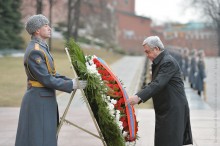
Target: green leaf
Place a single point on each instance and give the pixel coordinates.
(94, 93)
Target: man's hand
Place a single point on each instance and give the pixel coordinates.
(133, 100)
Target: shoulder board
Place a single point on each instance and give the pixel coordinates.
(36, 46)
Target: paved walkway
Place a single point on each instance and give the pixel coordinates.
(204, 119)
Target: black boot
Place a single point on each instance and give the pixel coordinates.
(199, 93)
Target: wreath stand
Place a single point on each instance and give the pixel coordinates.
(63, 118)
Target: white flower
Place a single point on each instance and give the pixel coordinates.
(108, 97)
(117, 115)
(111, 106)
(111, 109)
(130, 143)
(91, 62)
(120, 124)
(118, 112)
(112, 112)
(113, 101)
(94, 66)
(90, 70)
(125, 134)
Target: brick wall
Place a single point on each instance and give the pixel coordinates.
(131, 31)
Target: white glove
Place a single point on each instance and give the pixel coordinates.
(82, 84)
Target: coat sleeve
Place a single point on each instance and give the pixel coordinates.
(165, 73)
(61, 76)
(37, 66)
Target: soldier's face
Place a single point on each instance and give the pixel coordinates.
(44, 32)
(151, 53)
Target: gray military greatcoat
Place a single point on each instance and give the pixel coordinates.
(201, 74)
(38, 118)
(171, 107)
(193, 70)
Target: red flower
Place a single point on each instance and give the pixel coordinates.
(98, 65)
(110, 85)
(125, 125)
(115, 92)
(106, 73)
(123, 118)
(116, 87)
(109, 78)
(136, 128)
(95, 61)
(100, 71)
(104, 78)
(120, 102)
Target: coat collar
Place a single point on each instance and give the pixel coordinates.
(39, 41)
(159, 57)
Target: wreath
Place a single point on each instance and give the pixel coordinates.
(106, 96)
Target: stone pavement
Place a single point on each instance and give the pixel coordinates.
(205, 119)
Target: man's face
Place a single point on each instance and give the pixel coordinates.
(44, 32)
(151, 53)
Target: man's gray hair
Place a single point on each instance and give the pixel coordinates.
(153, 41)
(35, 22)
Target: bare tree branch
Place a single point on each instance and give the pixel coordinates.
(211, 10)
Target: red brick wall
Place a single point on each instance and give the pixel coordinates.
(123, 5)
(139, 27)
(207, 43)
(59, 10)
(126, 20)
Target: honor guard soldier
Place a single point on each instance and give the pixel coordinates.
(38, 117)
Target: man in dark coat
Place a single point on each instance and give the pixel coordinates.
(38, 118)
(167, 90)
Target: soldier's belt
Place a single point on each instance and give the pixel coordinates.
(35, 84)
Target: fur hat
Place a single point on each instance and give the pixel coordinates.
(35, 22)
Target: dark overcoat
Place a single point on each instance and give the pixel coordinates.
(193, 71)
(185, 66)
(171, 107)
(200, 76)
(38, 118)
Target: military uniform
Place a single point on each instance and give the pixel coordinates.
(201, 75)
(185, 66)
(38, 118)
(193, 70)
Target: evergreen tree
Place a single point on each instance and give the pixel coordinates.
(10, 24)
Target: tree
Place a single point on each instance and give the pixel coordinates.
(10, 24)
(106, 27)
(73, 18)
(51, 2)
(101, 21)
(39, 6)
(211, 9)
